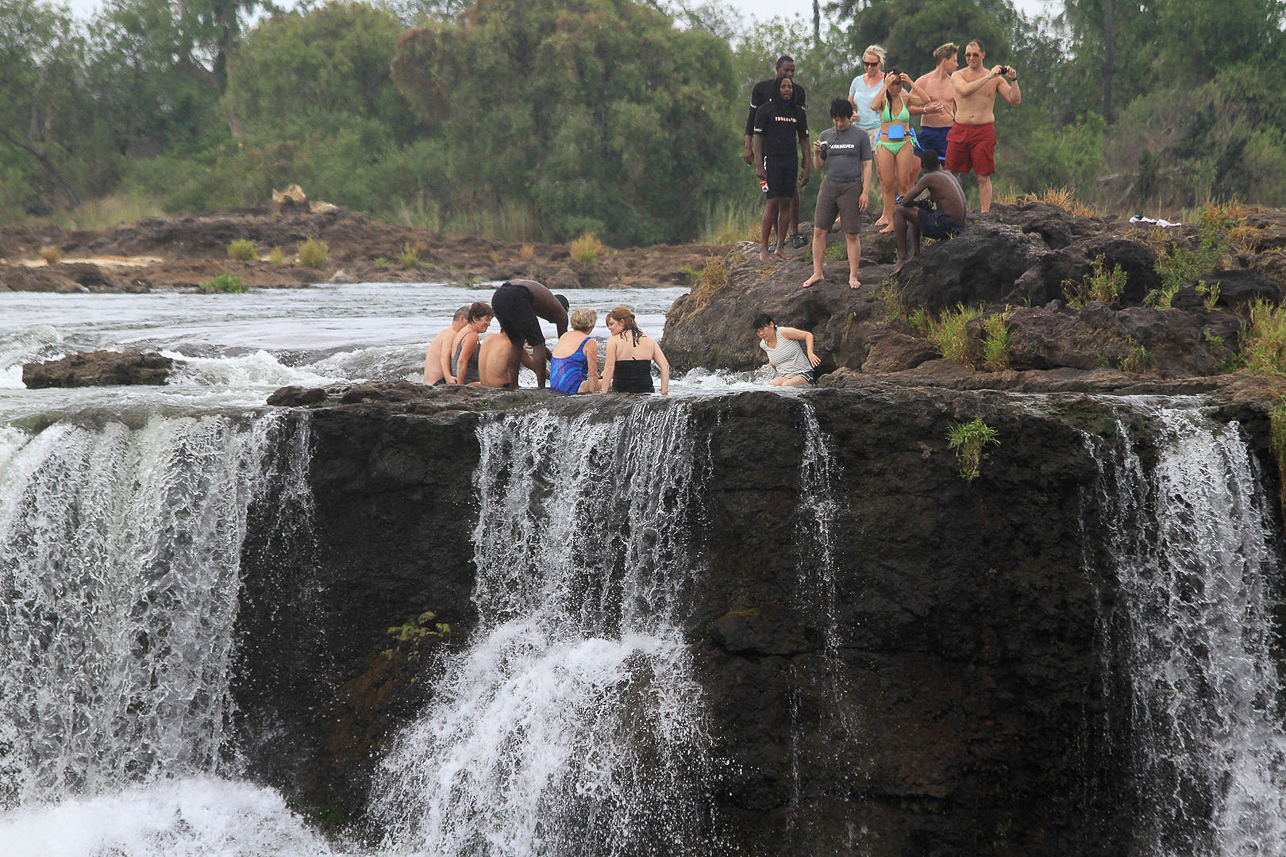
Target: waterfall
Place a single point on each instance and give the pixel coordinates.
(830, 678)
(1192, 545)
(571, 724)
(119, 576)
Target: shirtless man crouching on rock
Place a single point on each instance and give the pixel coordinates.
(943, 220)
(518, 304)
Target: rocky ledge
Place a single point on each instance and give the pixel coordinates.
(1018, 262)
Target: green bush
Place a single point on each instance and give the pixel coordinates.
(1099, 285)
(314, 253)
(1263, 339)
(243, 250)
(995, 344)
(224, 283)
(410, 257)
(949, 333)
(586, 249)
(968, 439)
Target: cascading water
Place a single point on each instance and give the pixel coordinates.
(572, 724)
(832, 681)
(119, 556)
(1191, 638)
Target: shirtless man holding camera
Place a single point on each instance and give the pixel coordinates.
(972, 140)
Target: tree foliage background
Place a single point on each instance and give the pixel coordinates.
(542, 120)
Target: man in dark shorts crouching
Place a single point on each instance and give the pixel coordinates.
(845, 152)
(943, 218)
(518, 305)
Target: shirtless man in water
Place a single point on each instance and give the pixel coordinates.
(493, 360)
(972, 140)
(946, 219)
(437, 363)
(936, 124)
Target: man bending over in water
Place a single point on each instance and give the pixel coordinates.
(517, 304)
(437, 363)
(943, 222)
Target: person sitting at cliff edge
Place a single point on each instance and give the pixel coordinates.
(941, 216)
(794, 364)
(437, 363)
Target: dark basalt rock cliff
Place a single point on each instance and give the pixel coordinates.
(942, 694)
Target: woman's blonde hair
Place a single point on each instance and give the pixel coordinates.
(625, 316)
(878, 51)
(583, 319)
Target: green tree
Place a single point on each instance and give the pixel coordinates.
(598, 113)
(308, 68)
(41, 57)
(910, 30)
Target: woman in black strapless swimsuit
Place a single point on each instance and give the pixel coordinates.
(630, 355)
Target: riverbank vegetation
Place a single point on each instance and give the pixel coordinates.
(535, 120)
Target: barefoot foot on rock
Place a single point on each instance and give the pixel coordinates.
(815, 278)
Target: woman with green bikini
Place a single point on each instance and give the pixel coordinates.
(898, 99)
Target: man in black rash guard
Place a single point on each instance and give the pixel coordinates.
(778, 123)
(759, 96)
(517, 304)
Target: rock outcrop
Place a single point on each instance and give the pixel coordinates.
(99, 369)
(1020, 261)
(937, 686)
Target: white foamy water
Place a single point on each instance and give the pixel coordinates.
(572, 725)
(1192, 542)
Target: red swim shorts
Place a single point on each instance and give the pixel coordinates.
(972, 149)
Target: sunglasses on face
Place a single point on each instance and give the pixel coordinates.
(864, 62)
(972, 55)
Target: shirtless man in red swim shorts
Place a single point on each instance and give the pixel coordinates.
(972, 140)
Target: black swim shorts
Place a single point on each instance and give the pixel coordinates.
(515, 309)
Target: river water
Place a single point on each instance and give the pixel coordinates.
(241, 347)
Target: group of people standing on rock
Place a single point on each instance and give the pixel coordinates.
(460, 354)
(957, 131)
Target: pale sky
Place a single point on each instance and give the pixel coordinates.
(761, 9)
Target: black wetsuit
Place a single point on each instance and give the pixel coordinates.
(762, 94)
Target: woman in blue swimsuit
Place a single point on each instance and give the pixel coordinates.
(896, 102)
(574, 365)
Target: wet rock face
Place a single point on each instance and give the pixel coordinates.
(99, 369)
(931, 679)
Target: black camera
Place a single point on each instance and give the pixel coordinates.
(1004, 70)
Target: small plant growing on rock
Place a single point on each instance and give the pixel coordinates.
(416, 631)
(949, 333)
(528, 251)
(1179, 268)
(277, 256)
(1277, 424)
(837, 251)
(967, 440)
(224, 283)
(1099, 285)
(1263, 339)
(891, 296)
(1137, 359)
(995, 345)
(243, 250)
(314, 253)
(586, 249)
(50, 254)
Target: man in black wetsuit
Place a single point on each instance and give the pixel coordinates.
(778, 123)
(759, 95)
(517, 303)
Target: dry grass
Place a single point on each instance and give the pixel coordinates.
(51, 254)
(714, 277)
(1059, 197)
(528, 251)
(587, 249)
(1247, 238)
